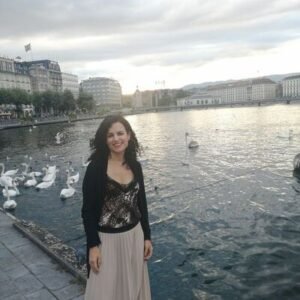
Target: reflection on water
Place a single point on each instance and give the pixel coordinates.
(225, 226)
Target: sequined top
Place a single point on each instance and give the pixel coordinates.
(120, 207)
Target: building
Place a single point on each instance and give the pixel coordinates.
(37, 76)
(40, 80)
(257, 89)
(10, 79)
(263, 89)
(164, 97)
(51, 67)
(239, 91)
(105, 91)
(137, 99)
(291, 87)
(70, 82)
(199, 100)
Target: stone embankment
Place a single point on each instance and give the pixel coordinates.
(10, 124)
(36, 265)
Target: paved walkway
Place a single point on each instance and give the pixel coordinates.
(26, 272)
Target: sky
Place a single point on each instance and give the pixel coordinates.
(156, 44)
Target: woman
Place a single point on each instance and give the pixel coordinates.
(115, 216)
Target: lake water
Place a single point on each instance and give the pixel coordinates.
(226, 225)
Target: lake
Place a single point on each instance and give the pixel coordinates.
(225, 216)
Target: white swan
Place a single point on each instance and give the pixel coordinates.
(9, 172)
(12, 193)
(20, 178)
(50, 173)
(6, 181)
(31, 182)
(83, 163)
(9, 204)
(36, 174)
(192, 144)
(73, 178)
(58, 138)
(51, 169)
(67, 193)
(44, 184)
(25, 172)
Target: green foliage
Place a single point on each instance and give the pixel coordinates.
(14, 96)
(86, 102)
(68, 101)
(48, 102)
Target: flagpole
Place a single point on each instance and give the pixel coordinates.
(28, 48)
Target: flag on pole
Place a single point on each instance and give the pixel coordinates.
(27, 47)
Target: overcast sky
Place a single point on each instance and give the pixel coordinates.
(144, 43)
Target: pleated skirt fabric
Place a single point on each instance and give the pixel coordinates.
(123, 272)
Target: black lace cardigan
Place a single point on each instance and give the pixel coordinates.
(93, 190)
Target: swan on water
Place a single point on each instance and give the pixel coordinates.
(9, 204)
(83, 163)
(25, 172)
(50, 173)
(192, 144)
(20, 178)
(58, 138)
(44, 184)
(67, 193)
(9, 172)
(73, 178)
(11, 193)
(6, 181)
(51, 169)
(31, 182)
(35, 173)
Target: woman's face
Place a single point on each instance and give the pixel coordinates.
(117, 138)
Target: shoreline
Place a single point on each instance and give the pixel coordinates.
(46, 122)
(149, 110)
(52, 246)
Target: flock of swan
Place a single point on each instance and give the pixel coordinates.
(10, 179)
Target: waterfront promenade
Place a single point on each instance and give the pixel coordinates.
(16, 123)
(26, 272)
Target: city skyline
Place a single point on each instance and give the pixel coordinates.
(145, 44)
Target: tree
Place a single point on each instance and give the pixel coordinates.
(68, 103)
(86, 102)
(36, 101)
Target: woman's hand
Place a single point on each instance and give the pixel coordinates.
(95, 258)
(148, 249)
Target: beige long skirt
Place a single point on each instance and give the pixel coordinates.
(123, 272)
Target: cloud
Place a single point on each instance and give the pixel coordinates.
(165, 33)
